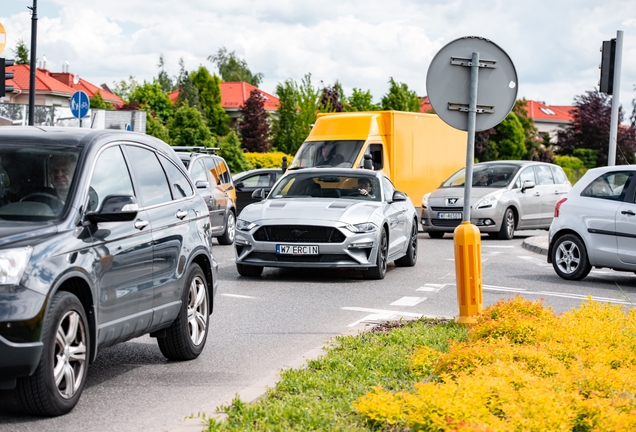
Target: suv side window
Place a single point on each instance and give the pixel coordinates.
(611, 185)
(544, 174)
(224, 172)
(210, 164)
(198, 172)
(110, 177)
(181, 187)
(152, 181)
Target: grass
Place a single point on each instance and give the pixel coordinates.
(320, 396)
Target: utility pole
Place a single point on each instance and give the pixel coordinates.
(618, 60)
(33, 66)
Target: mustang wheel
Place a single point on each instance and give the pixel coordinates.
(436, 234)
(59, 378)
(186, 336)
(379, 271)
(230, 230)
(569, 258)
(410, 258)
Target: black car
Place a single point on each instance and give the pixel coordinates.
(103, 238)
(213, 181)
(247, 182)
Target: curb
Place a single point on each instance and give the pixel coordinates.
(537, 244)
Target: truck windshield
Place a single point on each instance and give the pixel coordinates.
(340, 154)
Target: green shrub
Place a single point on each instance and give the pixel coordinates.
(573, 166)
(267, 160)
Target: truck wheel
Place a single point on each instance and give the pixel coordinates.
(230, 230)
(56, 386)
(249, 271)
(186, 336)
(507, 230)
(379, 271)
(436, 234)
(569, 258)
(410, 258)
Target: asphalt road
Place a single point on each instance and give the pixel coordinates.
(263, 325)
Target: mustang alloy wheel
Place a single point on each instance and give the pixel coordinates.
(379, 271)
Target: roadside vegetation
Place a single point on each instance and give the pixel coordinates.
(520, 367)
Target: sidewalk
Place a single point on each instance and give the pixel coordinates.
(537, 244)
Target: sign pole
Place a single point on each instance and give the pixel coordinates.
(470, 148)
(618, 60)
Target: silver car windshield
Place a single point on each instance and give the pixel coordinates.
(491, 175)
(327, 186)
(35, 181)
(341, 154)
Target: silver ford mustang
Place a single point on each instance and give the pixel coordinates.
(328, 218)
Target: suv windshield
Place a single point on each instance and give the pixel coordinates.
(327, 186)
(341, 154)
(35, 181)
(491, 175)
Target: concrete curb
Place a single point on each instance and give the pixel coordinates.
(538, 244)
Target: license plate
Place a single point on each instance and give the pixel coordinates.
(453, 215)
(296, 250)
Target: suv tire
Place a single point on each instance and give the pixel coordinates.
(230, 230)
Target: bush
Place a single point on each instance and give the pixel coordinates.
(573, 166)
(267, 160)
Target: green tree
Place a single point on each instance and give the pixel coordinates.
(209, 89)
(153, 99)
(188, 93)
(163, 78)
(308, 97)
(400, 98)
(188, 129)
(155, 128)
(231, 68)
(233, 154)
(587, 156)
(360, 101)
(98, 102)
(508, 141)
(21, 53)
(124, 88)
(535, 149)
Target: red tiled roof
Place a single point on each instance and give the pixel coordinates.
(425, 105)
(234, 95)
(538, 111)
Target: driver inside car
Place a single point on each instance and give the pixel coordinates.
(61, 174)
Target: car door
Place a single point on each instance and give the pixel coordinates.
(529, 200)
(549, 192)
(249, 185)
(217, 216)
(123, 253)
(396, 214)
(617, 184)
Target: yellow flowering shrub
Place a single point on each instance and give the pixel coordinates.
(522, 368)
(267, 160)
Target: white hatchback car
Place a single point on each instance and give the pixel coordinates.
(595, 225)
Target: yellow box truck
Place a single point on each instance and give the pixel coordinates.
(417, 151)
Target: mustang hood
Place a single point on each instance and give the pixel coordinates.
(310, 209)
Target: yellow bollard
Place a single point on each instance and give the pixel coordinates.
(467, 240)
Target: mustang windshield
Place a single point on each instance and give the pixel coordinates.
(35, 181)
(494, 176)
(341, 154)
(327, 186)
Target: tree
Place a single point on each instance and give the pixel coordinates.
(188, 93)
(98, 102)
(188, 129)
(590, 129)
(254, 124)
(508, 140)
(330, 99)
(153, 99)
(21, 53)
(360, 101)
(124, 88)
(209, 90)
(155, 128)
(233, 154)
(232, 68)
(535, 149)
(400, 98)
(307, 106)
(163, 78)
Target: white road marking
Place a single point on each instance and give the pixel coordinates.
(408, 301)
(495, 246)
(535, 260)
(431, 287)
(380, 314)
(556, 294)
(238, 296)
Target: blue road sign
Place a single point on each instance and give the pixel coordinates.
(128, 128)
(80, 104)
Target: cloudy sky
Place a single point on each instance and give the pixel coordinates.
(554, 44)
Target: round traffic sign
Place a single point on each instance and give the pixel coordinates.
(80, 104)
(448, 83)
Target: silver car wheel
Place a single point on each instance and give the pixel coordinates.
(231, 226)
(568, 257)
(510, 224)
(197, 310)
(70, 354)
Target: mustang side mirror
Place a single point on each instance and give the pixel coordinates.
(259, 194)
(115, 208)
(399, 196)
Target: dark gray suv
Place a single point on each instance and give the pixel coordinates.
(103, 238)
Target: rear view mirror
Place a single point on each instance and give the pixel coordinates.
(527, 185)
(115, 208)
(239, 185)
(202, 184)
(399, 196)
(259, 194)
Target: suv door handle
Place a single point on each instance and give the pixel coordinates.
(141, 224)
(628, 212)
(181, 214)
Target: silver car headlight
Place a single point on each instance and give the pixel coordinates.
(365, 227)
(425, 200)
(13, 263)
(487, 202)
(243, 225)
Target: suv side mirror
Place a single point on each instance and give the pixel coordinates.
(258, 194)
(527, 185)
(115, 208)
(399, 196)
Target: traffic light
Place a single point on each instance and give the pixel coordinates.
(608, 54)
(4, 76)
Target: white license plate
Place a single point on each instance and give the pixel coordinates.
(296, 250)
(453, 215)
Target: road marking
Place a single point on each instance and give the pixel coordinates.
(408, 301)
(238, 296)
(380, 314)
(494, 246)
(556, 294)
(534, 260)
(431, 287)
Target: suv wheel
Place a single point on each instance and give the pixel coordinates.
(186, 336)
(569, 258)
(55, 387)
(230, 230)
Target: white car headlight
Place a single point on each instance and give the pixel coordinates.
(425, 200)
(13, 262)
(362, 227)
(243, 225)
(487, 202)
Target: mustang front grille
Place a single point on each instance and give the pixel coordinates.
(299, 234)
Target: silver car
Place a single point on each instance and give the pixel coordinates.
(328, 218)
(595, 225)
(506, 196)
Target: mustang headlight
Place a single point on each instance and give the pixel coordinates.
(487, 202)
(13, 262)
(425, 200)
(362, 227)
(244, 225)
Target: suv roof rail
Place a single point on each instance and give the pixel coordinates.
(197, 149)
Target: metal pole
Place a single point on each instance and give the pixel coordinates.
(470, 150)
(33, 66)
(618, 57)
